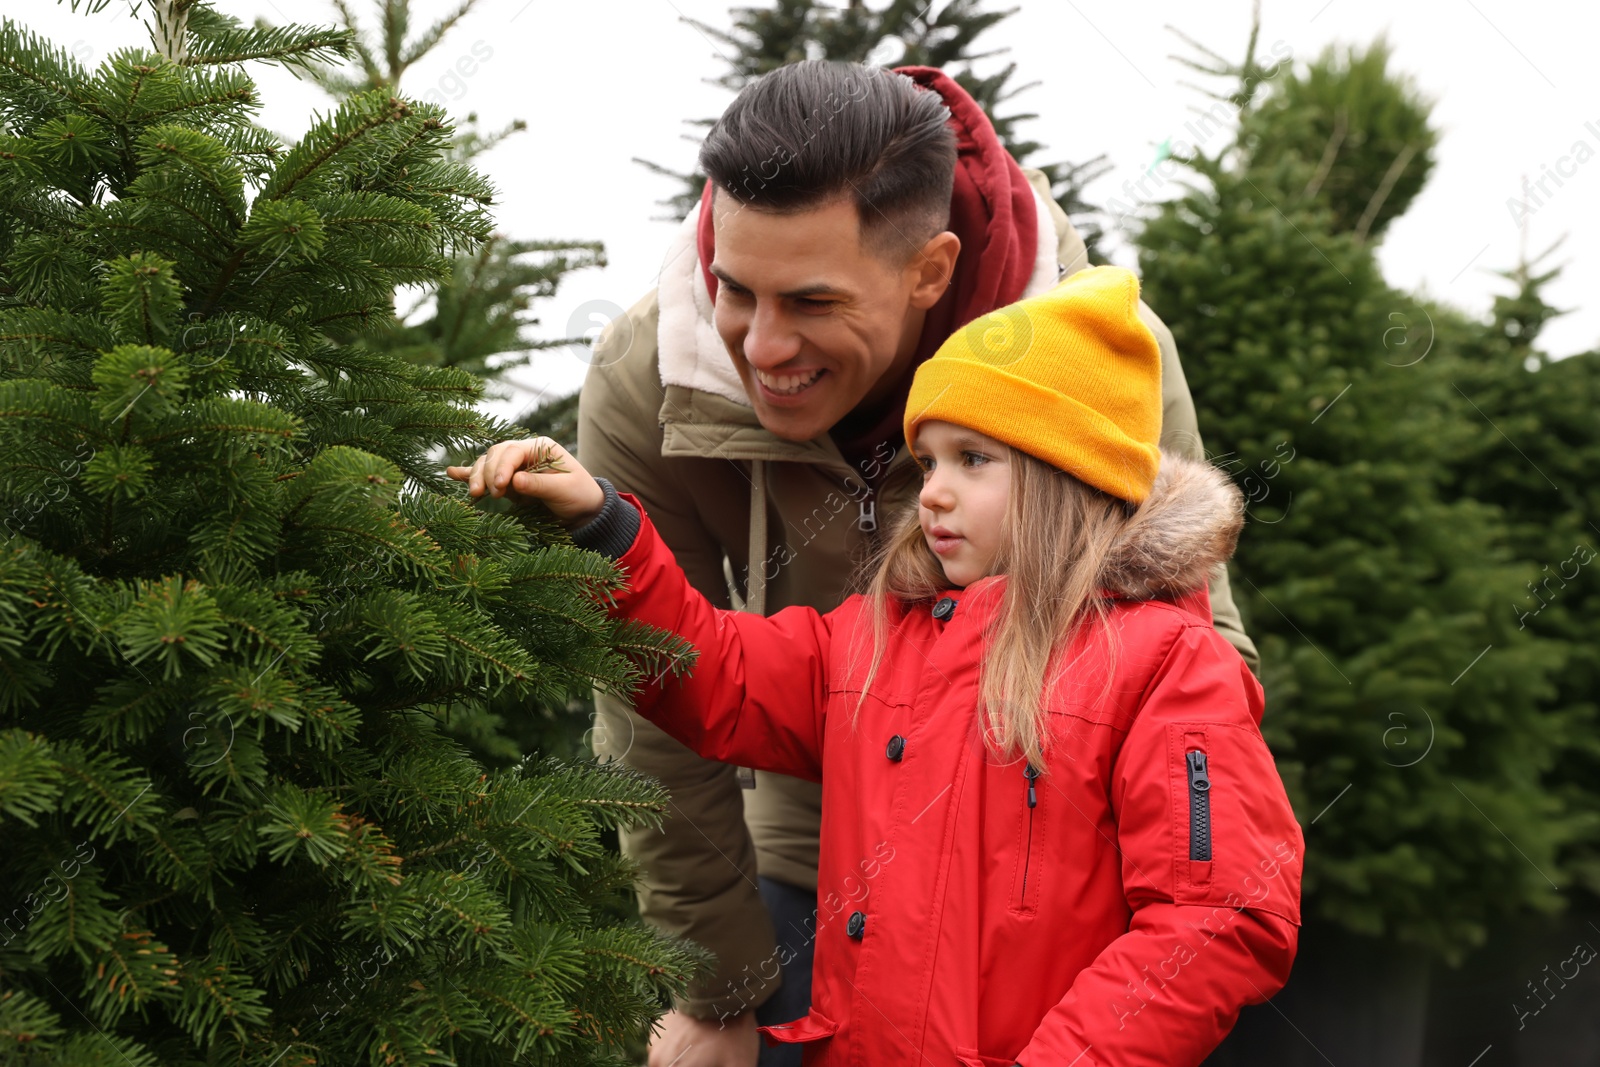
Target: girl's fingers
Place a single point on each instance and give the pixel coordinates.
(496, 471)
(506, 460)
(526, 483)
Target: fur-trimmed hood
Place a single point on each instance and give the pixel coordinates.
(1188, 525)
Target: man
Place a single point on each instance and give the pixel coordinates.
(853, 219)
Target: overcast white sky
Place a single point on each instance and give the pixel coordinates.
(602, 81)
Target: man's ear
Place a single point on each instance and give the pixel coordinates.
(932, 267)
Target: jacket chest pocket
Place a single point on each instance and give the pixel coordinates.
(1031, 838)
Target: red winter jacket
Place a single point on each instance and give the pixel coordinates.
(1119, 909)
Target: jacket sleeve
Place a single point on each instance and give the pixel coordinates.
(699, 867)
(1212, 877)
(756, 691)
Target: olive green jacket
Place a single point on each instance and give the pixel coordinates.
(723, 492)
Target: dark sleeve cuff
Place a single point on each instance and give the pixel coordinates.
(610, 533)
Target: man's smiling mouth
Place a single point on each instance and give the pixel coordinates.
(788, 384)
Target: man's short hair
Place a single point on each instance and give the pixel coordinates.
(817, 131)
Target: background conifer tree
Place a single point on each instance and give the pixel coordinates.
(1406, 706)
(1534, 451)
(237, 600)
(1364, 128)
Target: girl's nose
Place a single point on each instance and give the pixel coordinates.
(935, 495)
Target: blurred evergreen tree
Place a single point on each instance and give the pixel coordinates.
(1363, 128)
(237, 598)
(1409, 711)
(1534, 452)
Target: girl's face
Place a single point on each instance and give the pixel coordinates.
(966, 481)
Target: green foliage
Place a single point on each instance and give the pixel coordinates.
(1364, 128)
(482, 310)
(1411, 715)
(478, 317)
(1534, 449)
(238, 604)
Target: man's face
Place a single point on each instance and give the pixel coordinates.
(816, 324)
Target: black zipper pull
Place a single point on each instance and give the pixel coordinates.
(1031, 775)
(1199, 779)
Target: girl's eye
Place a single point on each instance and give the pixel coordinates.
(926, 463)
(975, 459)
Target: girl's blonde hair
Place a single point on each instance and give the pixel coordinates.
(1058, 536)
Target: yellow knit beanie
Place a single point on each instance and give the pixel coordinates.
(1071, 376)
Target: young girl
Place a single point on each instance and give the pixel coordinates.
(1051, 832)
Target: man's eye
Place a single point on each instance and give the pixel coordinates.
(815, 305)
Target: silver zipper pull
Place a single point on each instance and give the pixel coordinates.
(867, 521)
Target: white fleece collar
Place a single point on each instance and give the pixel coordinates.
(692, 354)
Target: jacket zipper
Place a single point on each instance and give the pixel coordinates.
(1031, 774)
(1199, 806)
(867, 518)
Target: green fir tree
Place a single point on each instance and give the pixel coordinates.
(1535, 446)
(1363, 127)
(480, 317)
(237, 600)
(1408, 710)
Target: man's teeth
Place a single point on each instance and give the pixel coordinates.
(785, 384)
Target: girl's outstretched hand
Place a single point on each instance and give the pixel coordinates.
(535, 469)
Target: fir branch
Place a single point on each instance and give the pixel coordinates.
(426, 41)
(370, 111)
(51, 69)
(205, 157)
(369, 62)
(110, 220)
(48, 326)
(287, 48)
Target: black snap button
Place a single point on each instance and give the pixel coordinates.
(857, 925)
(897, 748)
(945, 608)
